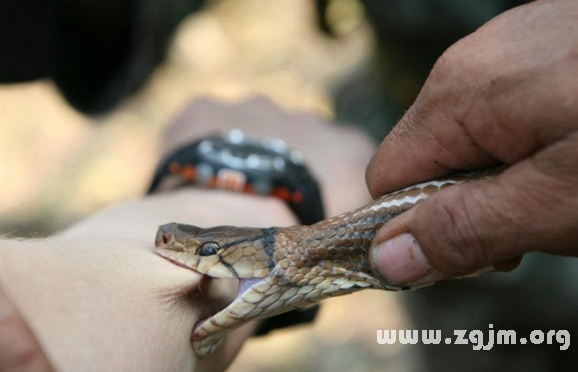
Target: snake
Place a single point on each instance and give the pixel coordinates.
(283, 268)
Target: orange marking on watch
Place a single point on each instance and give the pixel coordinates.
(189, 172)
(174, 167)
(283, 193)
(297, 197)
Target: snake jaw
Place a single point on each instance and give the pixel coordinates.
(209, 333)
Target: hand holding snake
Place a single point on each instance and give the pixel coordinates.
(515, 102)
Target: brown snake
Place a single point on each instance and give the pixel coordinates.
(283, 268)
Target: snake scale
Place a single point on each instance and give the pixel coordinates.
(283, 268)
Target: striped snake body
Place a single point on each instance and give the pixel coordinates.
(283, 268)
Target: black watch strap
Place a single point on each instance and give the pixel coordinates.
(232, 161)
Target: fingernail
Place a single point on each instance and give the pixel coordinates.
(401, 260)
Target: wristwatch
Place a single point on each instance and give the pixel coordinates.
(253, 165)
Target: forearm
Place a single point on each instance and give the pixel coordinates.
(81, 291)
(97, 297)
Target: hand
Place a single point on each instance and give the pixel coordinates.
(97, 297)
(506, 93)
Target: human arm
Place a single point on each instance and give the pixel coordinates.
(97, 296)
(505, 94)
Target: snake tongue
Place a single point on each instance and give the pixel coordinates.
(245, 284)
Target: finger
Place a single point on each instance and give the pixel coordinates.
(19, 350)
(487, 98)
(425, 144)
(467, 227)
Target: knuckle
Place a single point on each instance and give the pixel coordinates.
(547, 217)
(459, 243)
(468, 239)
(464, 75)
(450, 63)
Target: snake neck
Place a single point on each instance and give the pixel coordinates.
(359, 227)
(333, 246)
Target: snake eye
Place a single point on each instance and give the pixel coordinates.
(209, 249)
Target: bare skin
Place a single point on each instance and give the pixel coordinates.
(506, 93)
(97, 297)
(20, 350)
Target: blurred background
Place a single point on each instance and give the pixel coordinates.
(85, 134)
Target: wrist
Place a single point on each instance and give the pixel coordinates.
(205, 207)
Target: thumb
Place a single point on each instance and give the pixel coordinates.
(466, 228)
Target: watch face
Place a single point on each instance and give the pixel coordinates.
(234, 150)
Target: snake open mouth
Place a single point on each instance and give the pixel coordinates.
(245, 284)
(216, 306)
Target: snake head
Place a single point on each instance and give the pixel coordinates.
(219, 252)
